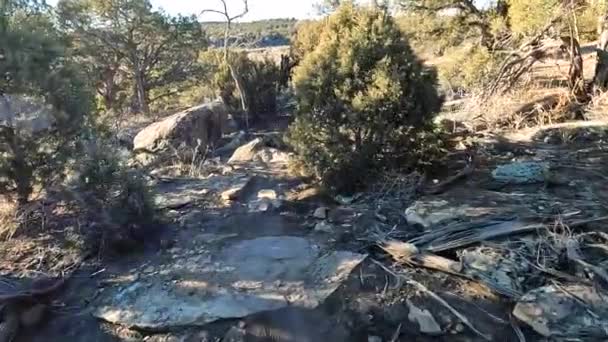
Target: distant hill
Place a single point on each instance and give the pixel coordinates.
(255, 34)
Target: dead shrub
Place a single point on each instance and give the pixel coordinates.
(523, 108)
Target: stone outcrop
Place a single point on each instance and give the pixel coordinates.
(199, 126)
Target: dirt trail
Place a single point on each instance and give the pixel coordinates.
(218, 260)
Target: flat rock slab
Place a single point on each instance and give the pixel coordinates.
(242, 279)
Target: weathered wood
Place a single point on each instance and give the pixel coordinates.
(600, 78)
(576, 82)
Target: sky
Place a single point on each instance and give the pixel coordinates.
(258, 9)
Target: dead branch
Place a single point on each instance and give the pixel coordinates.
(442, 186)
(520, 335)
(445, 304)
(574, 254)
(466, 234)
(521, 61)
(408, 254)
(437, 298)
(229, 19)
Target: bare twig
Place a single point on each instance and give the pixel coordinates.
(521, 60)
(436, 297)
(445, 304)
(573, 252)
(229, 19)
(520, 335)
(395, 336)
(491, 316)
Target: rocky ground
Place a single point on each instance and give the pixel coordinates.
(513, 248)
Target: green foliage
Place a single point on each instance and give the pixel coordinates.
(466, 68)
(259, 79)
(528, 16)
(44, 101)
(133, 52)
(363, 98)
(433, 34)
(588, 20)
(120, 197)
(305, 38)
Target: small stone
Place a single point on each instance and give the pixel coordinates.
(236, 191)
(324, 227)
(231, 195)
(374, 339)
(345, 200)
(425, 320)
(321, 213)
(149, 269)
(263, 205)
(267, 193)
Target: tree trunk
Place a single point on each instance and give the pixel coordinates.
(576, 82)
(600, 78)
(242, 94)
(108, 88)
(20, 170)
(142, 94)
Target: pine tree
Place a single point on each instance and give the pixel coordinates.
(43, 100)
(362, 96)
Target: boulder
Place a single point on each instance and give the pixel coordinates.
(261, 149)
(27, 115)
(247, 152)
(198, 126)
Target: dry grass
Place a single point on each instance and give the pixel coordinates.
(540, 98)
(12, 218)
(8, 220)
(272, 53)
(530, 106)
(598, 108)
